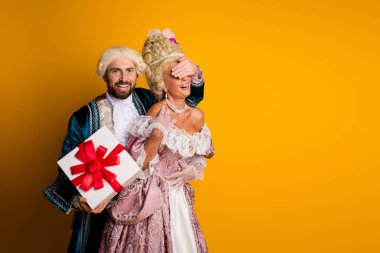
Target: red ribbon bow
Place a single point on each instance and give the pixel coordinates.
(93, 166)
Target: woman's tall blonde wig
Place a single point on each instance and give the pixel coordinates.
(160, 48)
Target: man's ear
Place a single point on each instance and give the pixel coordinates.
(105, 78)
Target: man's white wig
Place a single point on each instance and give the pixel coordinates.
(119, 52)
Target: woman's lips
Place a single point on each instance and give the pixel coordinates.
(185, 87)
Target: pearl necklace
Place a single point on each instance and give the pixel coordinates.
(171, 106)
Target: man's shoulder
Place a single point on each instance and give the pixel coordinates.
(143, 98)
(143, 93)
(84, 112)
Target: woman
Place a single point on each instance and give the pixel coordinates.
(155, 213)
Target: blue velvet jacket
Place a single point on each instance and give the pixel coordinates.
(87, 228)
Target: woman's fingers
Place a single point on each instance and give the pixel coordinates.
(132, 221)
(167, 114)
(180, 64)
(180, 184)
(172, 122)
(101, 207)
(174, 175)
(162, 111)
(177, 182)
(182, 164)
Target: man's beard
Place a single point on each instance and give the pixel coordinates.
(117, 94)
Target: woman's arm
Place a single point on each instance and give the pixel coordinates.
(153, 143)
(151, 147)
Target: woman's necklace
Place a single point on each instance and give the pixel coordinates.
(171, 106)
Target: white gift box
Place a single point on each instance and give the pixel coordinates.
(126, 171)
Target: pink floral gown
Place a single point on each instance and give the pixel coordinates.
(169, 223)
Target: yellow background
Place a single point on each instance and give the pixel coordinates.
(291, 98)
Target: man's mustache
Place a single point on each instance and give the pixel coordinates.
(123, 83)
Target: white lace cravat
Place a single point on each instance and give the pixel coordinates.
(123, 114)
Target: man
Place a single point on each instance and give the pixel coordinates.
(119, 67)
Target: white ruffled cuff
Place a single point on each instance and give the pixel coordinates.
(198, 164)
(160, 127)
(144, 126)
(197, 82)
(141, 127)
(144, 174)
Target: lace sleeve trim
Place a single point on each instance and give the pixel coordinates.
(141, 127)
(198, 164)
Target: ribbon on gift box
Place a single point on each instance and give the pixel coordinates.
(93, 166)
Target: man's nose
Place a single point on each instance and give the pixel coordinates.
(124, 77)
